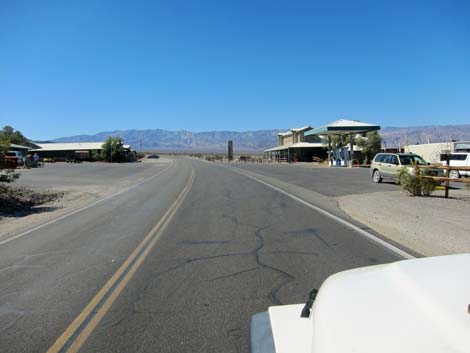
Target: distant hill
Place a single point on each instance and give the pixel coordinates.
(393, 136)
(165, 140)
(186, 140)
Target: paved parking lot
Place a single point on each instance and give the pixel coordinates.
(59, 175)
(330, 182)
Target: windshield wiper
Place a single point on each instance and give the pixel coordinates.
(308, 305)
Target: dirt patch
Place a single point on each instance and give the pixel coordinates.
(428, 225)
(20, 201)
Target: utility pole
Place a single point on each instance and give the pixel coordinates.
(111, 151)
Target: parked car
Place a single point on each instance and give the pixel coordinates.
(153, 156)
(409, 306)
(389, 166)
(14, 159)
(459, 159)
(73, 159)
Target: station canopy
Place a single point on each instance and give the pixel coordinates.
(343, 127)
(296, 145)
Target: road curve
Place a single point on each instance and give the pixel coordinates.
(231, 248)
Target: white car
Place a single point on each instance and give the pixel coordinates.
(410, 306)
(459, 159)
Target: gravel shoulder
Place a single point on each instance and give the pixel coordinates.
(428, 225)
(75, 192)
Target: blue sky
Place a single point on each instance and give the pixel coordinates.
(74, 67)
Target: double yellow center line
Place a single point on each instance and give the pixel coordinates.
(80, 329)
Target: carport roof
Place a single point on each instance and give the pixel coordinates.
(296, 145)
(73, 146)
(343, 127)
(69, 146)
(14, 145)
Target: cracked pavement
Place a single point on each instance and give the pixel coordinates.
(234, 248)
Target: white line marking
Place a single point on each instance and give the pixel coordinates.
(94, 203)
(364, 233)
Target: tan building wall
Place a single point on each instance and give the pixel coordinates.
(431, 152)
(287, 140)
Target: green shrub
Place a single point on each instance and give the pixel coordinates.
(416, 185)
(7, 175)
(113, 150)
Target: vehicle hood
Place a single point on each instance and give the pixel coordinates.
(291, 333)
(408, 306)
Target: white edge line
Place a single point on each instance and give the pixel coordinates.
(364, 233)
(42, 225)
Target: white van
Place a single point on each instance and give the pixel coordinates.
(459, 159)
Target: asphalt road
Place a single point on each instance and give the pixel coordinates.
(176, 264)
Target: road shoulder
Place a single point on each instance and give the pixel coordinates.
(74, 198)
(428, 225)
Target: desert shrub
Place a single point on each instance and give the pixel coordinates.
(415, 184)
(7, 174)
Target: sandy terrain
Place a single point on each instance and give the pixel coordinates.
(71, 200)
(428, 225)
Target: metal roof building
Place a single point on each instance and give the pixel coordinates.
(82, 150)
(293, 145)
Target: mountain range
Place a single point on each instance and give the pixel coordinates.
(164, 140)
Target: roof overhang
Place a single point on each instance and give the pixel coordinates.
(14, 145)
(69, 146)
(305, 128)
(296, 145)
(288, 133)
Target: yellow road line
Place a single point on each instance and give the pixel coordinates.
(131, 265)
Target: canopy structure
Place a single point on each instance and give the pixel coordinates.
(343, 127)
(295, 145)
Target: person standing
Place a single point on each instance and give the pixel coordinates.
(35, 160)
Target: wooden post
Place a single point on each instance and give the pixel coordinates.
(351, 150)
(447, 176)
(329, 150)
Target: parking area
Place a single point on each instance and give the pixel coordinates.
(73, 186)
(330, 182)
(88, 175)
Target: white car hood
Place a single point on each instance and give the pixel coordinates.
(409, 306)
(291, 333)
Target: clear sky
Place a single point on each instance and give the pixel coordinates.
(73, 67)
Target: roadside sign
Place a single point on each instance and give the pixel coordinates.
(230, 151)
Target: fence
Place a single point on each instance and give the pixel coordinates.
(447, 179)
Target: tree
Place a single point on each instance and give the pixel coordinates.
(11, 135)
(371, 144)
(113, 150)
(7, 175)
